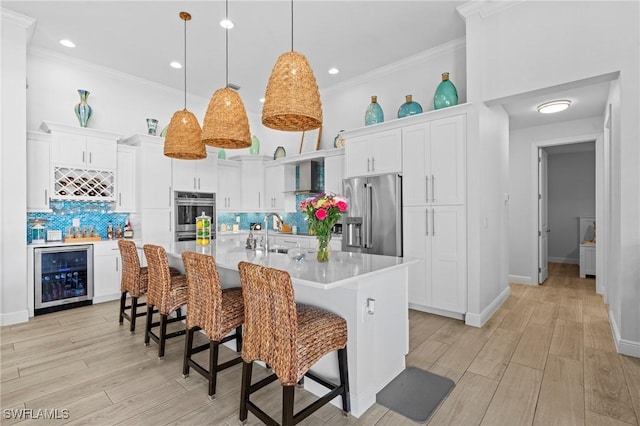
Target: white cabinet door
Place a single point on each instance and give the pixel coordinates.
(184, 175)
(126, 179)
(157, 226)
(374, 154)
(69, 149)
(277, 181)
(107, 272)
(229, 186)
(101, 153)
(333, 174)
(38, 177)
(433, 162)
(253, 185)
(154, 176)
(207, 173)
(415, 246)
(294, 241)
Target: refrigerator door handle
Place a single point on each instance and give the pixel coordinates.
(426, 189)
(427, 220)
(433, 222)
(433, 190)
(368, 203)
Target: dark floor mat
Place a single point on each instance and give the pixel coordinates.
(415, 393)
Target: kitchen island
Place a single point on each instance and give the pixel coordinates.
(369, 291)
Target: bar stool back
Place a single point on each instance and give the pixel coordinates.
(214, 311)
(289, 338)
(167, 293)
(134, 282)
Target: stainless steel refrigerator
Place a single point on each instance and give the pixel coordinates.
(373, 221)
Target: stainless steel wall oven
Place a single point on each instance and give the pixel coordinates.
(188, 206)
(63, 277)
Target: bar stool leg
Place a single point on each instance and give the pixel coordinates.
(147, 337)
(187, 351)
(213, 367)
(344, 380)
(134, 312)
(288, 394)
(247, 367)
(163, 335)
(239, 339)
(123, 303)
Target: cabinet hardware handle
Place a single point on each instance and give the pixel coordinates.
(433, 190)
(426, 189)
(198, 183)
(83, 159)
(169, 221)
(194, 183)
(169, 195)
(46, 198)
(368, 164)
(427, 220)
(90, 158)
(120, 199)
(433, 222)
(373, 164)
(117, 268)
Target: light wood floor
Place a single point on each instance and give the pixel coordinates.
(545, 358)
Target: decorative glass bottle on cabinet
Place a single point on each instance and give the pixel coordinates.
(446, 94)
(83, 110)
(374, 112)
(409, 107)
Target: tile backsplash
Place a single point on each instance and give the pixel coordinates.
(96, 214)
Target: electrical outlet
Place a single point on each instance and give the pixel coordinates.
(237, 219)
(76, 222)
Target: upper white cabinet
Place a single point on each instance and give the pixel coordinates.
(153, 173)
(333, 174)
(434, 162)
(252, 172)
(196, 175)
(38, 178)
(375, 153)
(279, 184)
(126, 179)
(229, 197)
(78, 147)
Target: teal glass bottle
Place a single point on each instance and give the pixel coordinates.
(409, 107)
(222, 155)
(255, 145)
(374, 112)
(446, 94)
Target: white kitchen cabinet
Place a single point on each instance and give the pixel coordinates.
(229, 197)
(333, 174)
(294, 241)
(252, 172)
(376, 153)
(126, 180)
(38, 178)
(107, 271)
(279, 184)
(196, 175)
(433, 162)
(438, 237)
(156, 226)
(82, 148)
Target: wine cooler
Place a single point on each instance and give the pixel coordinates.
(63, 277)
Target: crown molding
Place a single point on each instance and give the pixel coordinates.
(24, 21)
(66, 60)
(485, 7)
(402, 64)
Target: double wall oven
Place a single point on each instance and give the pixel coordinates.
(188, 206)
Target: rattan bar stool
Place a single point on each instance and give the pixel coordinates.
(289, 338)
(167, 293)
(214, 311)
(134, 283)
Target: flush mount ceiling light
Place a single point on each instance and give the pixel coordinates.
(292, 100)
(184, 136)
(225, 123)
(67, 43)
(554, 106)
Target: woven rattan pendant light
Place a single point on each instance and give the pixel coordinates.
(184, 136)
(225, 123)
(292, 101)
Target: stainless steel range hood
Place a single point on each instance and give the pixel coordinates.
(308, 182)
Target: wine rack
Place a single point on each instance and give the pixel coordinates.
(82, 184)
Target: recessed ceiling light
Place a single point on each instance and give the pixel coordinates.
(226, 24)
(334, 70)
(175, 64)
(262, 100)
(554, 106)
(67, 43)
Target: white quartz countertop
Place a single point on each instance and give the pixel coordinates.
(343, 267)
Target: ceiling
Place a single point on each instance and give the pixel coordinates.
(141, 38)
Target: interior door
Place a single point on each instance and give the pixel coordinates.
(543, 224)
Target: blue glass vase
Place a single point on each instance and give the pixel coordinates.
(446, 93)
(83, 109)
(409, 107)
(374, 112)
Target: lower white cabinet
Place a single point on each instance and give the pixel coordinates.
(587, 260)
(107, 270)
(438, 237)
(293, 241)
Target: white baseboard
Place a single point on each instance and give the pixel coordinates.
(478, 320)
(624, 347)
(106, 298)
(14, 317)
(569, 260)
(436, 311)
(519, 279)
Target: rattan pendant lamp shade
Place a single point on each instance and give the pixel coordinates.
(225, 123)
(292, 100)
(184, 135)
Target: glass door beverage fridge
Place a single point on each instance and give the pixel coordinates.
(63, 277)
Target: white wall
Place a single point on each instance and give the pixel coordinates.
(344, 105)
(13, 171)
(572, 193)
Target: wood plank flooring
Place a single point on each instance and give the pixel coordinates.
(546, 357)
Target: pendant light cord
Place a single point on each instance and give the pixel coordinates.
(292, 25)
(226, 35)
(185, 64)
